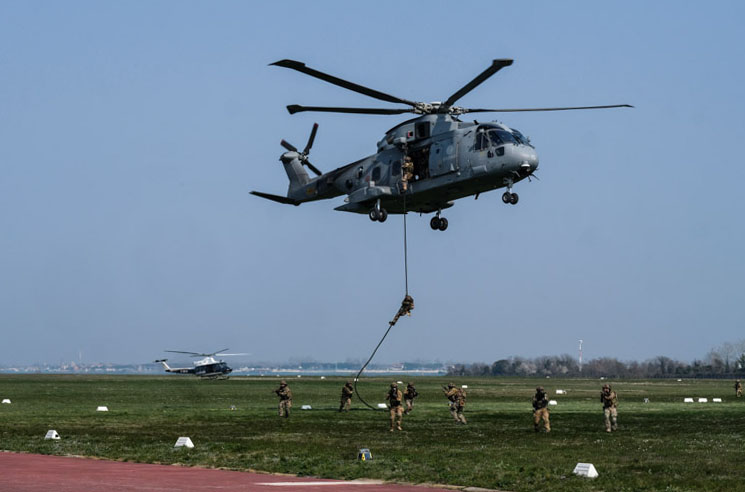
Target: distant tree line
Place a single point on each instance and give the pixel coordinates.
(725, 361)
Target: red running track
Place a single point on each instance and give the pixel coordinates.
(37, 473)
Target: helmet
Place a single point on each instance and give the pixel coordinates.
(394, 385)
(540, 388)
(349, 382)
(283, 383)
(451, 385)
(606, 386)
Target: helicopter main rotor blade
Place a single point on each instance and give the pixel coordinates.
(496, 65)
(296, 108)
(311, 139)
(193, 354)
(300, 67)
(517, 110)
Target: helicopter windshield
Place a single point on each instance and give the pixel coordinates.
(501, 137)
(520, 137)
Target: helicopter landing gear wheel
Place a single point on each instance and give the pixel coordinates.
(443, 224)
(434, 223)
(378, 215)
(374, 215)
(382, 215)
(510, 198)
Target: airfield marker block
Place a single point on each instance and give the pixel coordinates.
(233, 407)
(102, 409)
(561, 392)
(553, 402)
(464, 386)
(184, 442)
(646, 400)
(364, 455)
(399, 382)
(323, 377)
(687, 400)
(52, 434)
(703, 400)
(585, 470)
(6, 401)
(716, 400)
(306, 407)
(382, 405)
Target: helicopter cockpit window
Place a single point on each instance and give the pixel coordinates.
(501, 137)
(520, 137)
(481, 141)
(396, 168)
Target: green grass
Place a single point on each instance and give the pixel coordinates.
(663, 445)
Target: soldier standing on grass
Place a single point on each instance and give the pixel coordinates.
(610, 404)
(738, 388)
(394, 398)
(285, 399)
(409, 396)
(346, 397)
(540, 409)
(457, 399)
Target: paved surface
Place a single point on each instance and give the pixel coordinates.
(36, 473)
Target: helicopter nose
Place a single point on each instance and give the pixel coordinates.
(529, 162)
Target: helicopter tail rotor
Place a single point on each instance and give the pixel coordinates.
(303, 156)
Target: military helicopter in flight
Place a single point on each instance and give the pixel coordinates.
(208, 367)
(451, 158)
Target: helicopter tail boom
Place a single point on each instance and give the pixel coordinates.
(276, 198)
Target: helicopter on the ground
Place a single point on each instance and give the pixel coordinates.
(451, 158)
(208, 367)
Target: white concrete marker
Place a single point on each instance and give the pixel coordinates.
(716, 400)
(560, 392)
(52, 434)
(306, 407)
(399, 382)
(6, 401)
(464, 386)
(680, 380)
(646, 400)
(553, 402)
(102, 409)
(382, 405)
(585, 470)
(703, 400)
(323, 377)
(687, 400)
(184, 442)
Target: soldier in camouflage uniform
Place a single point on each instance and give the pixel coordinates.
(457, 398)
(409, 396)
(610, 404)
(394, 398)
(407, 305)
(738, 388)
(346, 397)
(285, 399)
(540, 410)
(407, 172)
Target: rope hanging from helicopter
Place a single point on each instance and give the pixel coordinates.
(407, 305)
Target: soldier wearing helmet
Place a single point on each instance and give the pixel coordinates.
(346, 397)
(540, 410)
(394, 398)
(409, 396)
(457, 402)
(610, 408)
(285, 399)
(738, 388)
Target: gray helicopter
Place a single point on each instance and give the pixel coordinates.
(208, 368)
(451, 158)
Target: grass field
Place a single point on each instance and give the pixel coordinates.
(663, 445)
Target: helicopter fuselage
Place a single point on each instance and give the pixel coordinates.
(452, 159)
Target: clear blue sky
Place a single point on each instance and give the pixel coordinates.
(131, 133)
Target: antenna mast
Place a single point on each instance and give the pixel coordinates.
(580, 356)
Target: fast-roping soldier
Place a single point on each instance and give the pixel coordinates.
(610, 408)
(409, 396)
(540, 410)
(285, 399)
(407, 305)
(346, 397)
(457, 398)
(394, 398)
(407, 172)
(738, 388)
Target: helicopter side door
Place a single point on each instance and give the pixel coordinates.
(443, 156)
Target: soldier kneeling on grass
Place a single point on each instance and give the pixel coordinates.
(540, 409)
(285, 399)
(610, 404)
